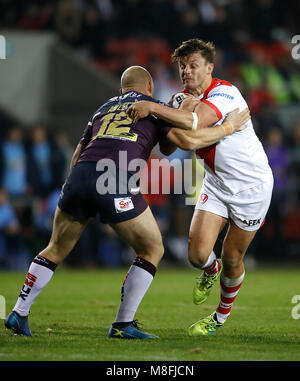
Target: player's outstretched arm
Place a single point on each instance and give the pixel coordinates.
(179, 118)
(203, 115)
(191, 140)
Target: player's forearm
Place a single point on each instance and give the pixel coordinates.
(204, 137)
(179, 118)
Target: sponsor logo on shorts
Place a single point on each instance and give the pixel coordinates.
(203, 198)
(123, 204)
(252, 222)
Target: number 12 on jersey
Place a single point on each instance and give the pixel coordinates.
(115, 126)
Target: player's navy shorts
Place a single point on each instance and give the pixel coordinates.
(84, 195)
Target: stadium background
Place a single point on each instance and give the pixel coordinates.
(64, 58)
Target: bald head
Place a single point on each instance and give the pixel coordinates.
(137, 78)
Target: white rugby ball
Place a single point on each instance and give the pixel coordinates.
(177, 99)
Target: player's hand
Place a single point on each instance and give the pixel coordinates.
(139, 110)
(238, 119)
(189, 103)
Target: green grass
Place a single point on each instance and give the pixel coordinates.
(72, 315)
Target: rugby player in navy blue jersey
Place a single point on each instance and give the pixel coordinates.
(110, 132)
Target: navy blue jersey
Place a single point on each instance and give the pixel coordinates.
(111, 130)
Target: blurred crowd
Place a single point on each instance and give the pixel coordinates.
(253, 41)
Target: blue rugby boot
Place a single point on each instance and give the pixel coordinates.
(18, 324)
(129, 330)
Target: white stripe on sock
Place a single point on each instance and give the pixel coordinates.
(228, 282)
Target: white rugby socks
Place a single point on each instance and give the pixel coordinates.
(135, 286)
(212, 266)
(39, 274)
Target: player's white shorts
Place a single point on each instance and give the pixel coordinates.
(247, 209)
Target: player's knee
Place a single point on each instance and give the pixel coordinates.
(156, 249)
(197, 255)
(159, 249)
(152, 251)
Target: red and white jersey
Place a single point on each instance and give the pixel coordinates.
(238, 161)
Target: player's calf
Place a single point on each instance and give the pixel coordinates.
(229, 291)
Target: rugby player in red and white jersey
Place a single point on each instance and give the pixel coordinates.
(238, 183)
(109, 132)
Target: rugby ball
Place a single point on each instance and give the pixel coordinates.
(177, 99)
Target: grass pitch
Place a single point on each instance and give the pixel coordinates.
(71, 317)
